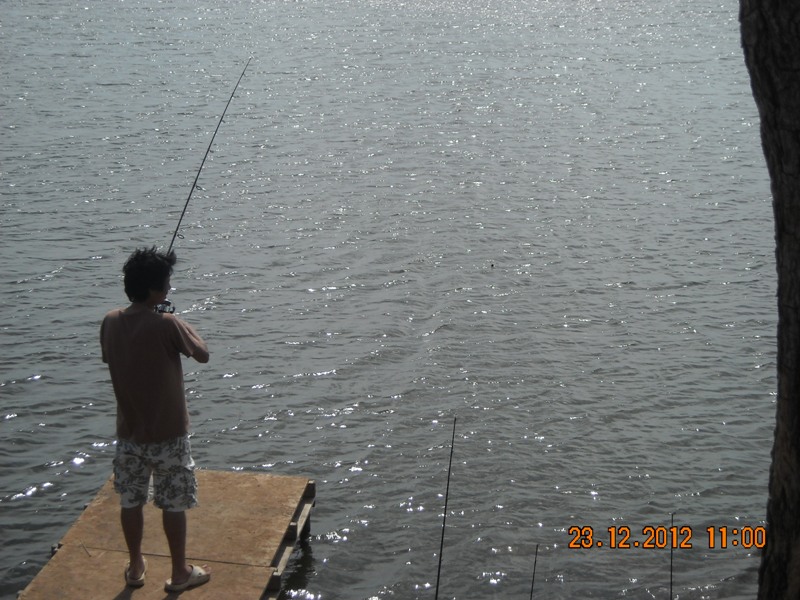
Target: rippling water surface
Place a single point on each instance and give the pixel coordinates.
(550, 219)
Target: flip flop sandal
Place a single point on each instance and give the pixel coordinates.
(197, 577)
(130, 581)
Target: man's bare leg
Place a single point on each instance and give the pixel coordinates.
(132, 520)
(175, 530)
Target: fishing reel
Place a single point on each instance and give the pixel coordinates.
(165, 307)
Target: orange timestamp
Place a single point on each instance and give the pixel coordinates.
(662, 536)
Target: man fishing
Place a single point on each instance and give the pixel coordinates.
(142, 348)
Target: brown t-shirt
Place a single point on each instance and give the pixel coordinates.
(142, 349)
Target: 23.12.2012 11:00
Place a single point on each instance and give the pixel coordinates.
(659, 537)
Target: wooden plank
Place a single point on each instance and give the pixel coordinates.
(301, 522)
(242, 529)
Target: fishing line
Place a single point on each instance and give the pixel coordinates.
(205, 156)
(444, 517)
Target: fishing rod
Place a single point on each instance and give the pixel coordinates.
(167, 305)
(444, 517)
(671, 550)
(533, 578)
(205, 156)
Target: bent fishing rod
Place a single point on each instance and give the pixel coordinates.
(167, 306)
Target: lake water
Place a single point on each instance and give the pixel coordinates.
(550, 219)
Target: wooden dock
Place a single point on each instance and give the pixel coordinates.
(245, 528)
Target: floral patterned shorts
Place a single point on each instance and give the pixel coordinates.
(171, 465)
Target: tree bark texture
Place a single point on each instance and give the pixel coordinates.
(771, 42)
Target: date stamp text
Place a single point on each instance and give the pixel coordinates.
(662, 536)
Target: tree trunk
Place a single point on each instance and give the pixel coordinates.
(771, 42)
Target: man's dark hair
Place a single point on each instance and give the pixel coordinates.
(145, 270)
